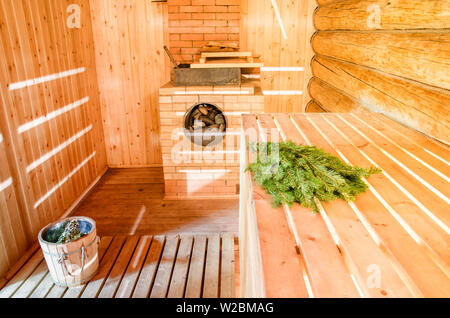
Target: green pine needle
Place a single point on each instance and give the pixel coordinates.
(303, 174)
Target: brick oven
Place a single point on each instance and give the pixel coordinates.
(194, 169)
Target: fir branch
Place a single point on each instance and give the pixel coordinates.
(298, 173)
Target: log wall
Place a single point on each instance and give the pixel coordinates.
(388, 56)
(51, 144)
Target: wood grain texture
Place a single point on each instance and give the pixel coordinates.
(400, 217)
(131, 66)
(393, 15)
(261, 34)
(419, 56)
(389, 56)
(313, 107)
(331, 99)
(138, 267)
(53, 148)
(418, 106)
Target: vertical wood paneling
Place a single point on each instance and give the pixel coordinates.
(44, 151)
(261, 33)
(131, 66)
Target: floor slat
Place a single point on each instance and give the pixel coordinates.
(211, 286)
(148, 273)
(180, 271)
(227, 271)
(195, 276)
(115, 276)
(129, 280)
(164, 273)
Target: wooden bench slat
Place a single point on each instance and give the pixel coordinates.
(278, 248)
(211, 285)
(354, 236)
(164, 273)
(414, 136)
(326, 268)
(405, 143)
(421, 223)
(195, 276)
(406, 161)
(129, 280)
(426, 197)
(425, 273)
(180, 271)
(118, 270)
(227, 280)
(148, 272)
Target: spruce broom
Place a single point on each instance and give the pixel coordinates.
(297, 173)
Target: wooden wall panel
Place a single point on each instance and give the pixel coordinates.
(50, 115)
(131, 66)
(261, 34)
(388, 56)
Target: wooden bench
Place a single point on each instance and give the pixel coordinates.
(393, 241)
(200, 266)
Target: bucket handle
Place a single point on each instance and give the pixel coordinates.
(63, 257)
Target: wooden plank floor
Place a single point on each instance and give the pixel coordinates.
(191, 266)
(393, 241)
(131, 202)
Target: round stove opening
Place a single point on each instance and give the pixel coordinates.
(205, 124)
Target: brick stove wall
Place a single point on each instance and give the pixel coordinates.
(207, 174)
(194, 23)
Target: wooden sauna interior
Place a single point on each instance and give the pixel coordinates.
(80, 105)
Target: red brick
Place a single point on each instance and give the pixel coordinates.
(174, 37)
(227, 30)
(233, 37)
(203, 16)
(216, 37)
(191, 9)
(187, 58)
(175, 50)
(192, 30)
(228, 2)
(179, 16)
(173, 9)
(219, 23)
(183, 23)
(202, 2)
(234, 9)
(215, 9)
(199, 43)
(233, 23)
(228, 16)
(178, 2)
(175, 44)
(191, 37)
(189, 50)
